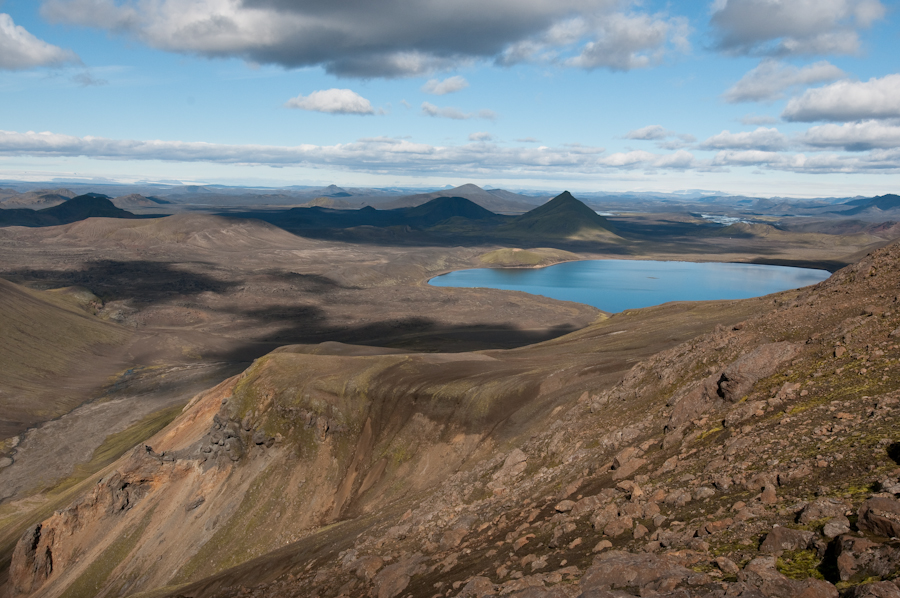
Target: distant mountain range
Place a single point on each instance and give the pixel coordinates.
(495, 200)
(873, 205)
(564, 217)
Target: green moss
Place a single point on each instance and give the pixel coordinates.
(799, 564)
(91, 581)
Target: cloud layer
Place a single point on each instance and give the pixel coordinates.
(359, 38)
(21, 50)
(875, 147)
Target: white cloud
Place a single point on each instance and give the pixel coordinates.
(761, 139)
(649, 132)
(648, 160)
(481, 136)
(771, 78)
(853, 137)
(624, 42)
(333, 101)
(455, 113)
(793, 27)
(448, 85)
(660, 134)
(846, 101)
(19, 49)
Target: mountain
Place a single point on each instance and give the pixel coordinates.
(754, 455)
(874, 205)
(91, 205)
(562, 217)
(444, 208)
(34, 199)
(495, 200)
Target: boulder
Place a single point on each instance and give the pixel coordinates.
(782, 538)
(761, 574)
(393, 579)
(880, 516)
(860, 558)
(515, 463)
(822, 508)
(739, 377)
(651, 573)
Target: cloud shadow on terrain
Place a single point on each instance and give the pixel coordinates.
(142, 280)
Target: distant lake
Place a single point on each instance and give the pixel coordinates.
(617, 285)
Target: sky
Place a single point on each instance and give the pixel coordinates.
(794, 98)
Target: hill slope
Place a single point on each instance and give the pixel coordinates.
(45, 339)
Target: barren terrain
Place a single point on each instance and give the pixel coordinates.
(155, 311)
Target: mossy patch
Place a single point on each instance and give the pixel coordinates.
(799, 564)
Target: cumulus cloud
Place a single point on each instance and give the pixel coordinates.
(332, 101)
(853, 137)
(624, 42)
(481, 136)
(792, 27)
(448, 85)
(847, 101)
(19, 49)
(455, 113)
(762, 139)
(771, 78)
(387, 38)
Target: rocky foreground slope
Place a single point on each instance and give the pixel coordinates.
(757, 459)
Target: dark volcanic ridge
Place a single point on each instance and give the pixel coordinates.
(91, 205)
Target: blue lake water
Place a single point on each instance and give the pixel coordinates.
(617, 285)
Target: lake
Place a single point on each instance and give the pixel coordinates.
(617, 285)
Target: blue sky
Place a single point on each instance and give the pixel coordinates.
(763, 97)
